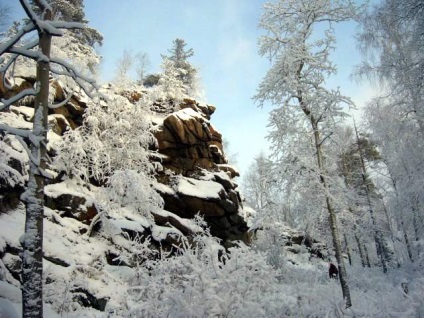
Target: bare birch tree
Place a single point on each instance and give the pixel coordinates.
(39, 51)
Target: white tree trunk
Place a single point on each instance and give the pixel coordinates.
(32, 241)
(331, 216)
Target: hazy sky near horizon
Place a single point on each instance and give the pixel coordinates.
(223, 35)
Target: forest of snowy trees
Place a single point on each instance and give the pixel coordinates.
(333, 188)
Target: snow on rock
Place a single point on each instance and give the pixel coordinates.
(162, 233)
(127, 226)
(75, 267)
(89, 257)
(10, 292)
(162, 188)
(199, 188)
(12, 227)
(230, 170)
(195, 183)
(186, 137)
(14, 120)
(72, 200)
(26, 112)
(186, 226)
(10, 178)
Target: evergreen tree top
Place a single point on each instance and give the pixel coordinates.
(73, 11)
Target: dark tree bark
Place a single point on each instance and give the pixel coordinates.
(361, 252)
(348, 250)
(367, 258)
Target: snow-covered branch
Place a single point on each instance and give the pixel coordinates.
(28, 28)
(26, 92)
(64, 102)
(34, 55)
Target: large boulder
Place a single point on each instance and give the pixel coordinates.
(213, 196)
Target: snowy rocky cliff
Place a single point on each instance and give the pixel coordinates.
(193, 172)
(92, 254)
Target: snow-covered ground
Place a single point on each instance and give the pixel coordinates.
(195, 284)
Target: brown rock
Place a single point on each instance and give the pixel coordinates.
(192, 145)
(59, 124)
(71, 205)
(230, 170)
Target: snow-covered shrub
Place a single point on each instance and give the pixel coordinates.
(112, 137)
(204, 280)
(270, 242)
(111, 147)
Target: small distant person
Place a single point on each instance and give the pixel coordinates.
(333, 272)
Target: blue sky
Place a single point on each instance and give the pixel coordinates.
(223, 34)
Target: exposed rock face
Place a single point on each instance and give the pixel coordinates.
(197, 178)
(189, 142)
(14, 173)
(189, 149)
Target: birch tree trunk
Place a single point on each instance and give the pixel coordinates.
(32, 241)
(407, 243)
(331, 216)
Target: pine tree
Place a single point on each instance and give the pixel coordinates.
(179, 56)
(73, 11)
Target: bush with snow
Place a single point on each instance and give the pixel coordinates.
(203, 280)
(111, 147)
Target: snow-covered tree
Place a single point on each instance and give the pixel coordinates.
(142, 63)
(179, 56)
(358, 158)
(263, 191)
(306, 110)
(392, 41)
(110, 148)
(188, 74)
(38, 50)
(402, 152)
(73, 11)
(170, 89)
(123, 67)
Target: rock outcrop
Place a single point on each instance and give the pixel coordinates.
(196, 176)
(193, 177)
